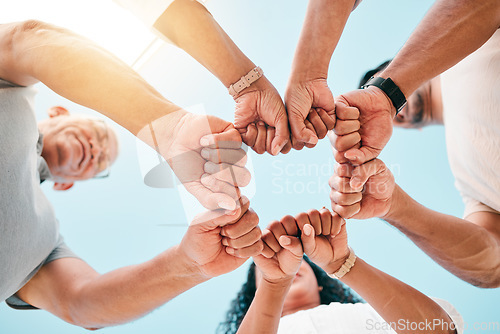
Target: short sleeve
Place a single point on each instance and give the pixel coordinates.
(61, 251)
(457, 319)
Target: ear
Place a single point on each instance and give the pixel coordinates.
(57, 111)
(62, 186)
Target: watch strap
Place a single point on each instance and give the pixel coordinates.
(245, 81)
(392, 90)
(346, 267)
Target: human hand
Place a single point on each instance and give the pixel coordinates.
(362, 192)
(345, 134)
(282, 254)
(324, 238)
(311, 111)
(205, 154)
(218, 243)
(261, 104)
(375, 116)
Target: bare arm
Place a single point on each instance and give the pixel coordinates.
(450, 31)
(70, 289)
(73, 291)
(470, 249)
(192, 28)
(79, 70)
(396, 301)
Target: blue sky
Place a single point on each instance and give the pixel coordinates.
(120, 221)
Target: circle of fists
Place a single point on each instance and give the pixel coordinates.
(321, 235)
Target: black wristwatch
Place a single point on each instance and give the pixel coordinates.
(390, 89)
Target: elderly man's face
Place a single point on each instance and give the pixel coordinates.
(77, 147)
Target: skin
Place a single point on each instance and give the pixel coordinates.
(277, 273)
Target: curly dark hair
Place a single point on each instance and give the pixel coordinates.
(333, 291)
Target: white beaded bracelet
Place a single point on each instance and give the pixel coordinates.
(346, 267)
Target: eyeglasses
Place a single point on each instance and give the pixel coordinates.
(103, 164)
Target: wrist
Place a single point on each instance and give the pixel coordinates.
(395, 205)
(262, 84)
(277, 285)
(188, 268)
(343, 265)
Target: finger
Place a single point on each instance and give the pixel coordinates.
(299, 129)
(344, 170)
(308, 239)
(315, 220)
(343, 143)
(328, 120)
(230, 138)
(246, 252)
(245, 240)
(277, 230)
(297, 145)
(217, 186)
(290, 225)
(249, 135)
(345, 127)
(269, 139)
(270, 240)
(287, 148)
(361, 174)
(222, 217)
(345, 112)
(267, 252)
(337, 223)
(359, 156)
(318, 125)
(302, 219)
(232, 157)
(282, 137)
(260, 142)
(291, 244)
(310, 127)
(326, 221)
(346, 211)
(242, 227)
(339, 156)
(341, 184)
(233, 175)
(345, 199)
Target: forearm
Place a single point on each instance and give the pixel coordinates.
(451, 30)
(323, 26)
(394, 300)
(465, 249)
(128, 293)
(192, 28)
(264, 313)
(81, 71)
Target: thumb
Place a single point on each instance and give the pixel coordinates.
(291, 244)
(282, 135)
(300, 131)
(359, 156)
(308, 239)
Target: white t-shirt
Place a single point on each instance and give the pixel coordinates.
(471, 113)
(356, 318)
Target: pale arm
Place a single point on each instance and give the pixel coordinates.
(70, 289)
(81, 71)
(451, 30)
(470, 249)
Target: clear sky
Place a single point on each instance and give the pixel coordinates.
(121, 221)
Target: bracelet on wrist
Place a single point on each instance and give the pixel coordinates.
(245, 81)
(346, 267)
(390, 89)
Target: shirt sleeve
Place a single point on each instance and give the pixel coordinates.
(61, 251)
